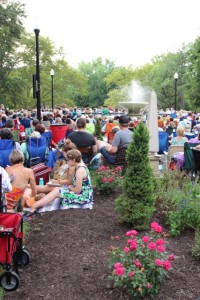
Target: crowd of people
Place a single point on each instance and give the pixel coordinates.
(71, 182)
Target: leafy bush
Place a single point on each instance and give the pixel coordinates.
(142, 265)
(107, 179)
(136, 203)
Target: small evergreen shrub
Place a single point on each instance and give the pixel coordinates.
(98, 131)
(136, 203)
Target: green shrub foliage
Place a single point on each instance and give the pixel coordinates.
(136, 203)
(98, 132)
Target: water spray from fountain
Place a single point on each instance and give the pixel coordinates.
(134, 97)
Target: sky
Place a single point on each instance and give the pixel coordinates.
(128, 32)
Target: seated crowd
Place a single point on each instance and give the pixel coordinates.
(71, 185)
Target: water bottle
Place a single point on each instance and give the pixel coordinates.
(41, 181)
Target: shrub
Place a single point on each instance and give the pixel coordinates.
(136, 203)
(98, 131)
(142, 265)
(107, 179)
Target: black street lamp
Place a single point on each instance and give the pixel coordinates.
(37, 31)
(52, 75)
(175, 89)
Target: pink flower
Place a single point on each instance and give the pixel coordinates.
(166, 265)
(119, 271)
(171, 256)
(151, 246)
(118, 265)
(131, 274)
(104, 179)
(118, 168)
(110, 179)
(102, 168)
(160, 242)
(158, 262)
(156, 227)
(131, 241)
(131, 232)
(148, 286)
(154, 224)
(146, 239)
(126, 249)
(133, 245)
(137, 263)
(161, 248)
(117, 238)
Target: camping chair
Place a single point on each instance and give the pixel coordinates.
(6, 147)
(87, 154)
(37, 149)
(58, 133)
(196, 161)
(188, 154)
(163, 142)
(121, 159)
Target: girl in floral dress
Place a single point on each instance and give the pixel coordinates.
(77, 195)
(80, 193)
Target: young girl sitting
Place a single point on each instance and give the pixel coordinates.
(77, 195)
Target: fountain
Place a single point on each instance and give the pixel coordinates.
(136, 98)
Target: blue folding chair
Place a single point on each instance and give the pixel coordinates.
(6, 147)
(37, 149)
(163, 138)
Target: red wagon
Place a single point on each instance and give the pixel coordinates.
(12, 252)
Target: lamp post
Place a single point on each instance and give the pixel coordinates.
(175, 88)
(37, 31)
(52, 75)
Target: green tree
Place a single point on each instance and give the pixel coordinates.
(11, 28)
(136, 203)
(95, 73)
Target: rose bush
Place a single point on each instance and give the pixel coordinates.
(107, 179)
(142, 264)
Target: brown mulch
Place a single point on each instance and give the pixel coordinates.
(69, 258)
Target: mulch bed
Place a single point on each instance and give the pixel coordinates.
(69, 258)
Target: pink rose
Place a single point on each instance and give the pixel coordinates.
(151, 246)
(131, 232)
(102, 168)
(148, 286)
(156, 227)
(118, 168)
(131, 274)
(160, 242)
(166, 265)
(126, 249)
(146, 239)
(133, 246)
(104, 179)
(119, 271)
(160, 248)
(131, 241)
(118, 265)
(110, 179)
(158, 262)
(117, 238)
(137, 263)
(171, 256)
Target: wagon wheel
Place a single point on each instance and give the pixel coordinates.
(9, 281)
(25, 258)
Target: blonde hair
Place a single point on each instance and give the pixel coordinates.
(68, 145)
(16, 157)
(180, 131)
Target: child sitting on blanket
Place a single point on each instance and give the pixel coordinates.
(77, 195)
